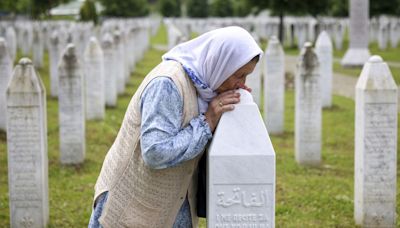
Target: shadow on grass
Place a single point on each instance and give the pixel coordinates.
(334, 108)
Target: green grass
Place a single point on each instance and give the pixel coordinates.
(161, 36)
(305, 197)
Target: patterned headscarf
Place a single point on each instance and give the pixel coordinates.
(213, 57)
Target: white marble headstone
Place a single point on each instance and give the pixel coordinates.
(308, 108)
(27, 148)
(120, 69)
(11, 38)
(375, 146)
(253, 81)
(54, 57)
(71, 99)
(274, 87)
(110, 75)
(324, 51)
(358, 52)
(5, 75)
(37, 47)
(241, 170)
(94, 80)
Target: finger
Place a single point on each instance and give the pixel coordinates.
(230, 100)
(228, 95)
(227, 108)
(248, 88)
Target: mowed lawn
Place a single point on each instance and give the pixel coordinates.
(305, 197)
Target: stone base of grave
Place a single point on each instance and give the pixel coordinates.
(355, 57)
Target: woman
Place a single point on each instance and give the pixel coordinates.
(148, 178)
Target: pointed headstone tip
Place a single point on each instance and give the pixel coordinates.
(308, 45)
(25, 61)
(375, 59)
(245, 97)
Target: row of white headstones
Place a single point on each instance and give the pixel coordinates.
(84, 85)
(241, 183)
(297, 30)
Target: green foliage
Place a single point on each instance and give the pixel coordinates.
(170, 8)
(378, 7)
(241, 8)
(299, 7)
(255, 6)
(222, 8)
(88, 12)
(36, 9)
(197, 8)
(340, 8)
(125, 8)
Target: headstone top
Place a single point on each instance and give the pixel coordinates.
(309, 58)
(25, 62)
(107, 41)
(324, 40)
(245, 97)
(376, 75)
(70, 50)
(70, 53)
(273, 39)
(375, 59)
(93, 49)
(274, 47)
(308, 45)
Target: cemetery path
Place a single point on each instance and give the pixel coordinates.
(343, 85)
(390, 63)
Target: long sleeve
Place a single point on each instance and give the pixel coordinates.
(163, 142)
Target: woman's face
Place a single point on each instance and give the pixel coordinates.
(238, 79)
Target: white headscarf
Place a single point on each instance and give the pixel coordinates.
(213, 57)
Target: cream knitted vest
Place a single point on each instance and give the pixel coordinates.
(138, 195)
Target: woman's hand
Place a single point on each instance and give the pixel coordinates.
(222, 103)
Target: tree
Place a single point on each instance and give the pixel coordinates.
(241, 8)
(222, 8)
(125, 8)
(197, 8)
(88, 12)
(256, 6)
(34, 8)
(297, 7)
(170, 8)
(379, 7)
(340, 8)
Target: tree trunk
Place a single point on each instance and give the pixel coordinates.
(281, 27)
